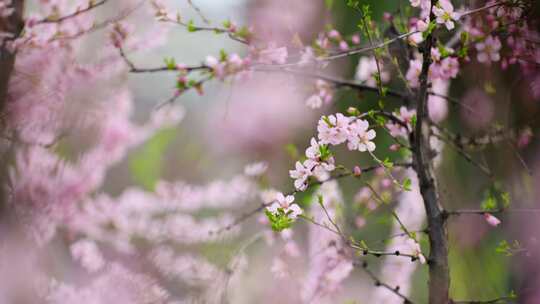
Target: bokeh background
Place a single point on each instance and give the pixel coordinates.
(264, 119)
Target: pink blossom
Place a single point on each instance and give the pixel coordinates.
(334, 129)
(307, 56)
(488, 50)
(88, 254)
(524, 137)
(360, 137)
(285, 203)
(324, 94)
(360, 222)
(444, 11)
(413, 73)
(301, 173)
(314, 101)
(492, 220)
(333, 34)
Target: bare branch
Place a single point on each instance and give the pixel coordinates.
(379, 283)
(78, 12)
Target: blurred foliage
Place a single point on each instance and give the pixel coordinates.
(146, 163)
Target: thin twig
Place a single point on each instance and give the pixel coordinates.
(482, 212)
(247, 215)
(379, 283)
(79, 12)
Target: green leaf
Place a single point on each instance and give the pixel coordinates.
(170, 63)
(432, 25)
(243, 32)
(387, 163)
(381, 103)
(325, 152)
(223, 55)
(279, 221)
(191, 26)
(407, 184)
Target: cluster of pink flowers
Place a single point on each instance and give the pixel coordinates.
(443, 11)
(337, 129)
(406, 116)
(332, 130)
(315, 165)
(324, 94)
(443, 67)
(229, 65)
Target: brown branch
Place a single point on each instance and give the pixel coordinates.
(439, 277)
(495, 211)
(339, 82)
(492, 301)
(352, 244)
(466, 156)
(379, 283)
(78, 12)
(137, 70)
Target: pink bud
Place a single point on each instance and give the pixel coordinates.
(360, 222)
(524, 138)
(387, 16)
(343, 45)
(492, 220)
(334, 34)
(357, 171)
(355, 39)
(386, 183)
(394, 147)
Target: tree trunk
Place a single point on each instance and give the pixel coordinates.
(439, 278)
(12, 24)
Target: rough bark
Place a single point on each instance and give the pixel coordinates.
(12, 24)
(439, 278)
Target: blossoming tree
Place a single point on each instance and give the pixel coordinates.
(392, 140)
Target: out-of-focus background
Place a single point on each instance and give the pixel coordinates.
(264, 118)
(233, 124)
